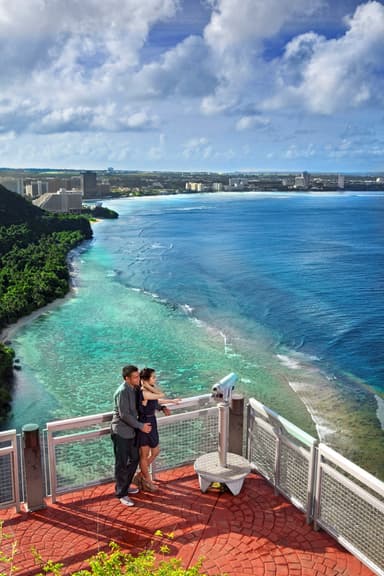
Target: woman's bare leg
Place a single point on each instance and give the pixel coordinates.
(153, 454)
(144, 462)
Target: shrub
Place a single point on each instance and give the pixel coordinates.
(112, 563)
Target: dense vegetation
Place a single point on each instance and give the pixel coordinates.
(6, 363)
(100, 212)
(33, 267)
(154, 561)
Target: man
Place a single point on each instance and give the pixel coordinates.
(123, 433)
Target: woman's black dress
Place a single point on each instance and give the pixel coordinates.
(147, 414)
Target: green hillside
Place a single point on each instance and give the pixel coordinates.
(33, 267)
(15, 210)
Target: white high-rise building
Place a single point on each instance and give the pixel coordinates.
(13, 184)
(302, 181)
(65, 201)
(36, 188)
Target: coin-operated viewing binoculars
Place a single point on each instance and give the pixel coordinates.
(223, 389)
(223, 466)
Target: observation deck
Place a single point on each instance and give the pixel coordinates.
(302, 510)
(255, 533)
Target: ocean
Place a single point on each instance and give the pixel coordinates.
(284, 289)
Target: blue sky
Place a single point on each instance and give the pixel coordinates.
(221, 85)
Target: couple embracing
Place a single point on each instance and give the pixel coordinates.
(134, 430)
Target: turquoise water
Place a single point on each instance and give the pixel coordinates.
(284, 290)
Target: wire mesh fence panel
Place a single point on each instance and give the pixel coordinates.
(294, 467)
(9, 470)
(354, 518)
(80, 451)
(184, 440)
(262, 449)
(83, 463)
(7, 493)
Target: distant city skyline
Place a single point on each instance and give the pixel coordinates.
(210, 85)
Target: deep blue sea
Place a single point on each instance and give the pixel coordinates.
(286, 290)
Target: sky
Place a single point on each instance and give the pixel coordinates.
(192, 85)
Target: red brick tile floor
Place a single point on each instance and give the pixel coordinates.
(255, 532)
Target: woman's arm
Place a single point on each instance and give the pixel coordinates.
(170, 400)
(147, 395)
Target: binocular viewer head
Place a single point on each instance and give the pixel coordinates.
(222, 390)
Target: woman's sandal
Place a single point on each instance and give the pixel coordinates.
(138, 480)
(149, 486)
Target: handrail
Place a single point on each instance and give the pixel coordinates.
(362, 475)
(349, 505)
(336, 494)
(342, 498)
(74, 424)
(286, 440)
(94, 419)
(280, 422)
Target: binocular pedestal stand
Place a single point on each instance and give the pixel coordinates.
(222, 466)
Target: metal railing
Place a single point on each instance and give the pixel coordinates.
(283, 453)
(80, 452)
(349, 505)
(9, 470)
(334, 493)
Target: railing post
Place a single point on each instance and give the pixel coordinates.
(236, 424)
(223, 408)
(33, 468)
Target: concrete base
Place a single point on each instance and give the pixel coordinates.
(209, 470)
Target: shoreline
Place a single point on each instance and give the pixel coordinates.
(338, 421)
(318, 392)
(7, 333)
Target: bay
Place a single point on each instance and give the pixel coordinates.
(283, 289)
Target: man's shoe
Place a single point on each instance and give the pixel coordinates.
(133, 489)
(126, 501)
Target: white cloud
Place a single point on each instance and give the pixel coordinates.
(248, 122)
(69, 56)
(125, 82)
(295, 151)
(235, 35)
(327, 75)
(197, 147)
(235, 23)
(184, 70)
(7, 136)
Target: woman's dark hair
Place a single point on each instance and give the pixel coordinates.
(146, 373)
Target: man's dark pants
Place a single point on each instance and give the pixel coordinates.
(126, 462)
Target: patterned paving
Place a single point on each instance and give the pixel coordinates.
(254, 533)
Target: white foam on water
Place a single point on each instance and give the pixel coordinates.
(304, 390)
(288, 362)
(187, 308)
(380, 410)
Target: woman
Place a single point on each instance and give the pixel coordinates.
(148, 444)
